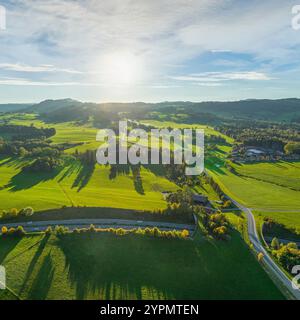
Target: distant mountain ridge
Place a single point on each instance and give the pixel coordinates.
(261, 109)
(12, 107)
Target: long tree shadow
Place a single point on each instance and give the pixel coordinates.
(118, 169)
(26, 180)
(6, 246)
(98, 266)
(137, 180)
(84, 175)
(72, 168)
(43, 280)
(125, 169)
(33, 262)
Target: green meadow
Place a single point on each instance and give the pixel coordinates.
(270, 189)
(77, 185)
(87, 266)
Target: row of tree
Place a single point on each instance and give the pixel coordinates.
(14, 213)
(155, 232)
(43, 164)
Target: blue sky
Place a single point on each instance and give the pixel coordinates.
(142, 50)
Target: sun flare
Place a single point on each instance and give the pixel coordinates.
(121, 69)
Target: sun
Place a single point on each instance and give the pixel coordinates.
(121, 68)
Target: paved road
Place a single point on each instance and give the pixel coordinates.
(271, 265)
(99, 223)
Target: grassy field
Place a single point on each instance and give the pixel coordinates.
(88, 267)
(264, 186)
(78, 185)
(267, 193)
(268, 188)
(289, 220)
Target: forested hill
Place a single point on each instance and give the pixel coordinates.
(13, 107)
(276, 110)
(270, 110)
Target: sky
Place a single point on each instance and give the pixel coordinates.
(142, 50)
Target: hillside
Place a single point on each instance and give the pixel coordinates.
(13, 107)
(210, 111)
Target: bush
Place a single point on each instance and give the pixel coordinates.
(48, 231)
(154, 232)
(27, 212)
(288, 255)
(4, 230)
(275, 244)
(61, 230)
(92, 228)
(20, 232)
(13, 212)
(13, 232)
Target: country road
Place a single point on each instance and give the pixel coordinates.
(99, 223)
(271, 265)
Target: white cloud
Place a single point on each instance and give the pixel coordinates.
(35, 69)
(28, 82)
(63, 42)
(208, 77)
(162, 33)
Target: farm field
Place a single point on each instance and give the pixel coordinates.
(269, 188)
(259, 194)
(290, 220)
(285, 174)
(78, 185)
(88, 267)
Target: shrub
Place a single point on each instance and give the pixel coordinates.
(275, 244)
(20, 232)
(48, 231)
(14, 212)
(92, 228)
(13, 232)
(185, 233)
(120, 232)
(28, 211)
(4, 230)
(61, 230)
(288, 255)
(260, 256)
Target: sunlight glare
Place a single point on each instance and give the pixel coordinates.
(121, 69)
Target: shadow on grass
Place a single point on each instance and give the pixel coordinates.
(84, 175)
(14, 162)
(6, 247)
(74, 167)
(26, 180)
(33, 262)
(43, 280)
(126, 169)
(104, 266)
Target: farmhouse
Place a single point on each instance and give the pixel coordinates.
(254, 152)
